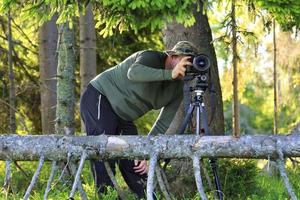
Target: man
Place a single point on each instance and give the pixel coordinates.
(144, 81)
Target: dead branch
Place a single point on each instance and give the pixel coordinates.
(57, 147)
(161, 183)
(77, 176)
(51, 176)
(151, 172)
(114, 181)
(7, 174)
(197, 172)
(281, 167)
(79, 184)
(34, 178)
(205, 172)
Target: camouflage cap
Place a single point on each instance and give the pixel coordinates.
(183, 48)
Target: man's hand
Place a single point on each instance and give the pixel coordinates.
(180, 68)
(141, 167)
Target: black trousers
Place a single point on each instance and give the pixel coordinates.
(99, 118)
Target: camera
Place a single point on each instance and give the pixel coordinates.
(201, 64)
(199, 70)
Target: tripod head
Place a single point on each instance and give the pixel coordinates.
(200, 87)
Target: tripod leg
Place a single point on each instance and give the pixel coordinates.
(186, 119)
(213, 161)
(213, 164)
(205, 124)
(198, 122)
(182, 128)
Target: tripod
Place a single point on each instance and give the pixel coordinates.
(198, 104)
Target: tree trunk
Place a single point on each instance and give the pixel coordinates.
(65, 123)
(275, 80)
(58, 147)
(200, 35)
(235, 105)
(12, 97)
(87, 50)
(271, 167)
(12, 94)
(48, 68)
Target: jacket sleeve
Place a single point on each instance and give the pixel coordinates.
(142, 71)
(165, 117)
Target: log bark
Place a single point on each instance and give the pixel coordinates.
(65, 119)
(58, 147)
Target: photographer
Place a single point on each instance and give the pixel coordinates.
(144, 81)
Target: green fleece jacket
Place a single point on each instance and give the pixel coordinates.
(139, 84)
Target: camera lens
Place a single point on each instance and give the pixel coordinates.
(201, 63)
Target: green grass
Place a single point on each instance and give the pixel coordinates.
(266, 187)
(273, 187)
(60, 189)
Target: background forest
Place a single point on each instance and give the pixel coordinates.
(100, 34)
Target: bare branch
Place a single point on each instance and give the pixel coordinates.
(165, 180)
(151, 172)
(34, 178)
(26, 36)
(22, 118)
(281, 167)
(51, 176)
(114, 181)
(79, 184)
(161, 183)
(21, 169)
(7, 174)
(65, 168)
(205, 172)
(197, 172)
(20, 44)
(63, 171)
(77, 176)
(294, 161)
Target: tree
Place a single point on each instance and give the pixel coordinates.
(287, 59)
(24, 51)
(199, 34)
(12, 97)
(48, 68)
(65, 123)
(87, 50)
(275, 129)
(235, 116)
(87, 47)
(286, 13)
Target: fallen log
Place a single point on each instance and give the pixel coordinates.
(58, 147)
